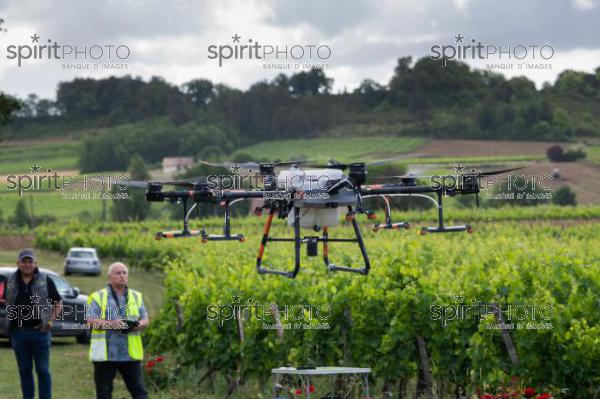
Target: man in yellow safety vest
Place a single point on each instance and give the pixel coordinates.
(116, 315)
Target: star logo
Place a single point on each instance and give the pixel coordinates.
(35, 38)
(35, 298)
(459, 168)
(236, 38)
(235, 168)
(35, 168)
(235, 298)
(459, 38)
(458, 298)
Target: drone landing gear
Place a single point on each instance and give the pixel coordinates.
(358, 239)
(388, 219)
(312, 247)
(441, 228)
(266, 238)
(186, 232)
(178, 234)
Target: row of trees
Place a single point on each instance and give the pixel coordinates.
(420, 98)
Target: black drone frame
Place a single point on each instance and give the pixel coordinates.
(312, 246)
(205, 237)
(200, 193)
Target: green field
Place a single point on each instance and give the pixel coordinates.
(532, 255)
(57, 155)
(540, 255)
(340, 149)
(473, 160)
(593, 154)
(51, 203)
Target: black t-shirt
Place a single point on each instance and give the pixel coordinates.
(24, 297)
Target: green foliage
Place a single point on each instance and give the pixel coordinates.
(520, 191)
(134, 206)
(557, 154)
(564, 196)
(422, 99)
(211, 153)
(373, 320)
(59, 155)
(154, 140)
(8, 105)
(21, 218)
(244, 156)
(342, 149)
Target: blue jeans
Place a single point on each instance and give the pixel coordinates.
(30, 345)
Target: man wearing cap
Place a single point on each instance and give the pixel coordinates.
(33, 297)
(116, 315)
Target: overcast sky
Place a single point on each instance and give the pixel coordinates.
(366, 37)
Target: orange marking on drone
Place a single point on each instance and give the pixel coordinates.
(268, 223)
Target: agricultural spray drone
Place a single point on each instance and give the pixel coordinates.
(312, 197)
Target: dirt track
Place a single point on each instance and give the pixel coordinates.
(483, 148)
(582, 177)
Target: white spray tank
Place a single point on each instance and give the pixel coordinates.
(316, 213)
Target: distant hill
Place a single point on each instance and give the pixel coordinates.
(117, 117)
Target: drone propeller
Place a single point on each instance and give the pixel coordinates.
(488, 173)
(333, 164)
(255, 164)
(495, 172)
(408, 175)
(414, 176)
(187, 183)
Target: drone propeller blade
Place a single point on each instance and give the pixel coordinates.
(496, 172)
(331, 164)
(178, 183)
(285, 163)
(135, 184)
(385, 161)
(217, 165)
(229, 164)
(406, 176)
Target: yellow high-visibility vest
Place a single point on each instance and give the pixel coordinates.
(98, 345)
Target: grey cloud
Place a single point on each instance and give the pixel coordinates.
(364, 35)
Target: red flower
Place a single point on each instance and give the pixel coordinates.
(159, 359)
(149, 365)
(311, 388)
(529, 392)
(545, 395)
(487, 396)
(298, 391)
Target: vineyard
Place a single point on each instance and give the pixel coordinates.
(420, 305)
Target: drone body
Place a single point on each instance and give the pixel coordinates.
(317, 207)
